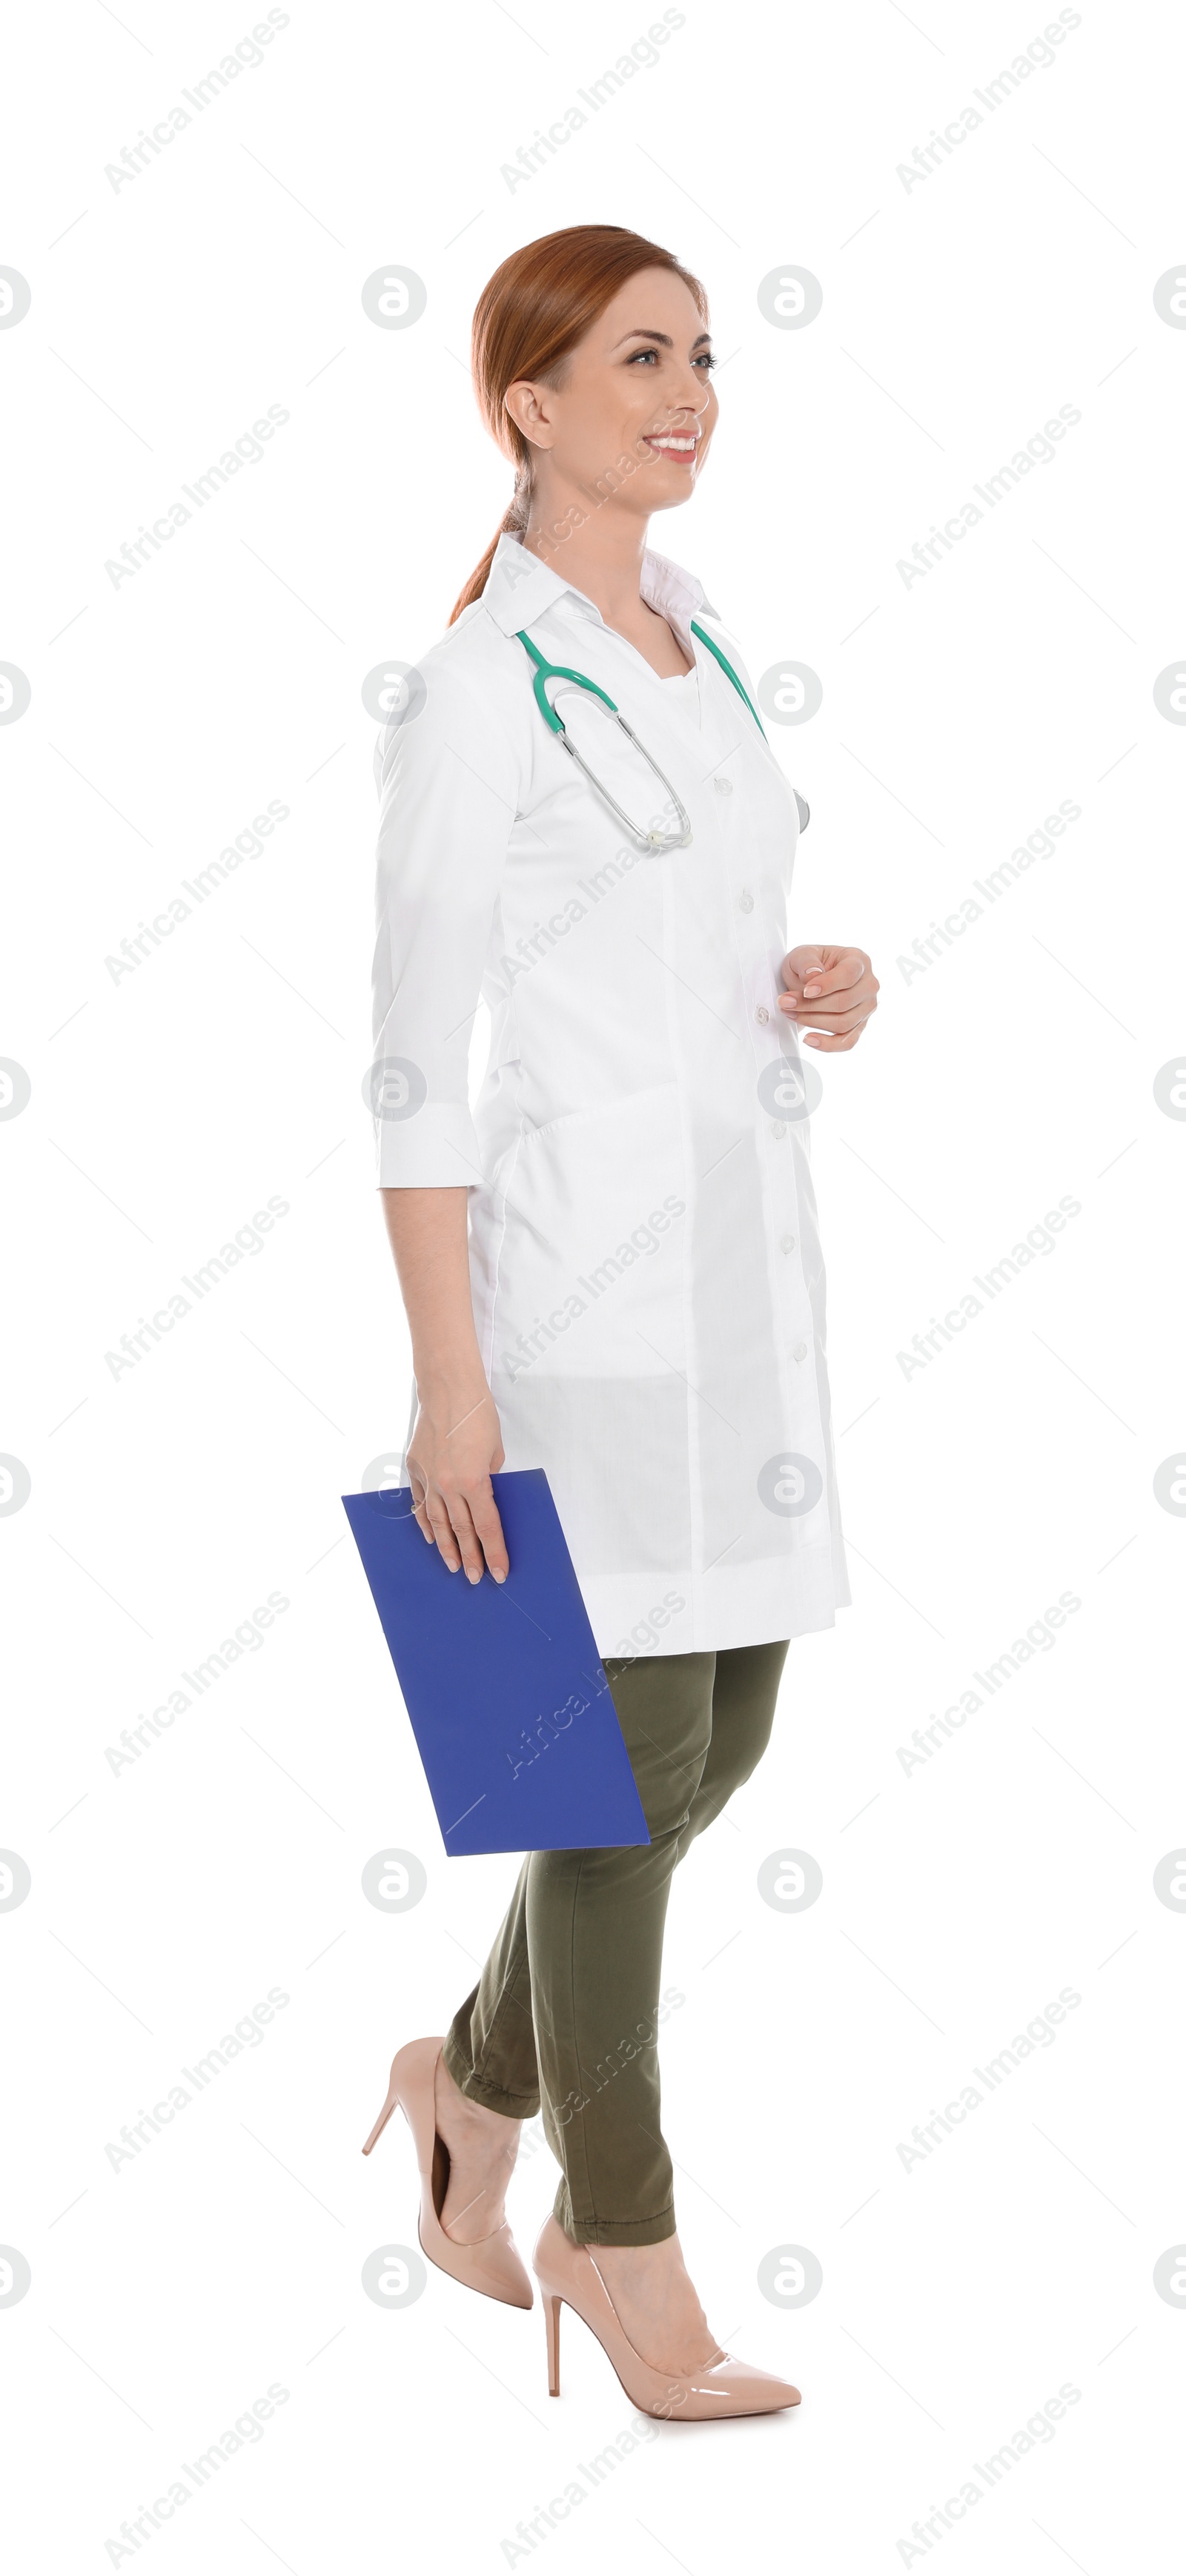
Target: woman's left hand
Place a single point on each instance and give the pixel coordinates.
(833, 990)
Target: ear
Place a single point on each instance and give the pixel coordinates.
(522, 402)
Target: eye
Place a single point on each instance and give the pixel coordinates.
(652, 354)
(705, 360)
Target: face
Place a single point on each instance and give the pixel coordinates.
(637, 387)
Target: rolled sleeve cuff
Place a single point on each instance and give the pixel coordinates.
(433, 1148)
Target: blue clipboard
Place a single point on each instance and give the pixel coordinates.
(507, 1694)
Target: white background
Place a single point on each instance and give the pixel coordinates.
(959, 1897)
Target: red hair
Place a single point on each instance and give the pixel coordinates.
(529, 319)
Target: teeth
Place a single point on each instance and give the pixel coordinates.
(682, 445)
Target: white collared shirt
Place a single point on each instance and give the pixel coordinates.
(646, 1270)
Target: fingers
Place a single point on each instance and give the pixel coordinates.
(468, 1544)
(836, 1022)
(465, 1526)
(801, 963)
(449, 1466)
(832, 1032)
(419, 1485)
(837, 999)
(831, 1006)
(488, 1528)
(441, 1528)
(432, 1510)
(824, 970)
(847, 970)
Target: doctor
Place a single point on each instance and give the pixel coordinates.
(611, 1267)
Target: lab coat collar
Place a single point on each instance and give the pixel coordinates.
(520, 586)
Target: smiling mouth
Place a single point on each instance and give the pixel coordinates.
(682, 449)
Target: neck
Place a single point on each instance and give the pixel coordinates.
(601, 551)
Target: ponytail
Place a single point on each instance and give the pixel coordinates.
(513, 522)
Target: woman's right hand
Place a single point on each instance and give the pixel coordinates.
(456, 1444)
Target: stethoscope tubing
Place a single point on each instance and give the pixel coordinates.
(653, 843)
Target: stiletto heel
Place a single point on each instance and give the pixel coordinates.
(717, 2389)
(493, 2264)
(381, 2123)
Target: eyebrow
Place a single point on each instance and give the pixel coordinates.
(662, 339)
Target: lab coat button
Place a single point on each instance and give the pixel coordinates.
(800, 1351)
(761, 1015)
(788, 1243)
(745, 901)
(778, 1131)
(723, 786)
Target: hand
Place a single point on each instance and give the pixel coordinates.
(831, 989)
(456, 1443)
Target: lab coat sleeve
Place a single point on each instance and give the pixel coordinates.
(448, 792)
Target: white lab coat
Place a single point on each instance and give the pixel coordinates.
(647, 1279)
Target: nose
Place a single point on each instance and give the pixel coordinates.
(692, 408)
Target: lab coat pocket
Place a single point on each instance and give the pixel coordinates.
(590, 1213)
(588, 1365)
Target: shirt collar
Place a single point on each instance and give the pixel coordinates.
(520, 586)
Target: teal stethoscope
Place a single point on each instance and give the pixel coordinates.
(643, 837)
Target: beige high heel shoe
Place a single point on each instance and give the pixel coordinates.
(493, 2265)
(718, 2388)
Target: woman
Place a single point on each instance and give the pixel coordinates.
(612, 1269)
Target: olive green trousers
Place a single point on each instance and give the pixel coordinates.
(565, 2015)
